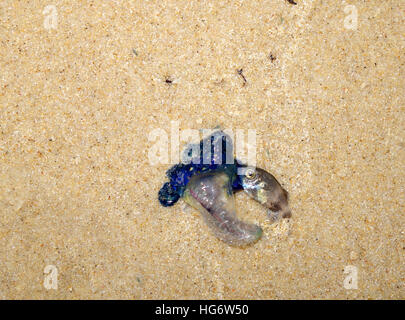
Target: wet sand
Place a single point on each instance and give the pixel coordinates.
(79, 98)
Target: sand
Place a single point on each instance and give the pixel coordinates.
(83, 85)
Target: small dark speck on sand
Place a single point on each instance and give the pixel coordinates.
(168, 81)
(292, 2)
(272, 57)
(240, 72)
(134, 51)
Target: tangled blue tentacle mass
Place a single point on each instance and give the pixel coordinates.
(214, 153)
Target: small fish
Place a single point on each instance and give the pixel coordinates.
(264, 188)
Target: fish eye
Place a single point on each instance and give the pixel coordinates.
(250, 174)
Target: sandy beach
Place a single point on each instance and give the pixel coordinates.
(82, 86)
